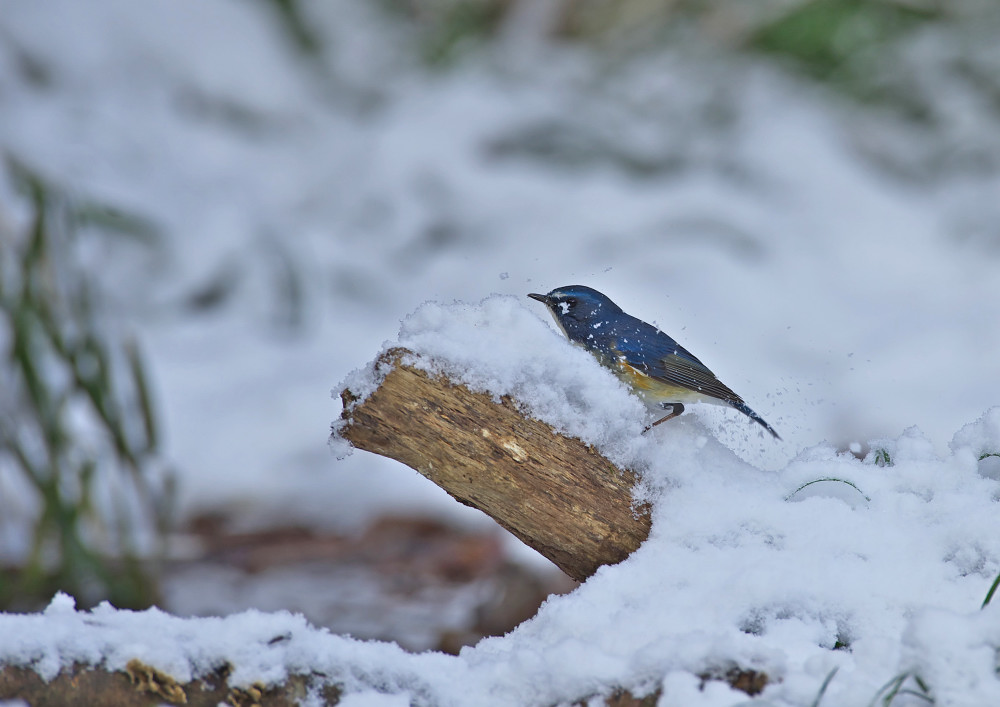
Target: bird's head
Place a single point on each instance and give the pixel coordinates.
(576, 308)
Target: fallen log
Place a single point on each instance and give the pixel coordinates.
(555, 493)
(140, 685)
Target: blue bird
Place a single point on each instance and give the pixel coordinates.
(662, 372)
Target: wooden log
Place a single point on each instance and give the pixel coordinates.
(140, 685)
(555, 493)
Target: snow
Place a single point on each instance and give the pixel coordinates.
(852, 310)
(878, 573)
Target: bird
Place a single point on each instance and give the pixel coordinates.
(659, 370)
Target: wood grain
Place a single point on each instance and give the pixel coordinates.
(553, 492)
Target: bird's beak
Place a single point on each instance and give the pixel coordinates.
(544, 299)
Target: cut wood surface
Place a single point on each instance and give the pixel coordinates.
(555, 493)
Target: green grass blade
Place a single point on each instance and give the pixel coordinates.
(822, 688)
(991, 592)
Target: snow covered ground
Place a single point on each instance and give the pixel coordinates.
(325, 200)
(875, 569)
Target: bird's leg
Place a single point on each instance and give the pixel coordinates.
(675, 410)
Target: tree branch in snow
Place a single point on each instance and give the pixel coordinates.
(140, 685)
(555, 493)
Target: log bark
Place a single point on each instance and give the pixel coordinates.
(140, 685)
(555, 493)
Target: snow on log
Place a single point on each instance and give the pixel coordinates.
(555, 493)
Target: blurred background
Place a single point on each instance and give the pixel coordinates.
(212, 211)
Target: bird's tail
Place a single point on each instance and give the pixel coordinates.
(745, 409)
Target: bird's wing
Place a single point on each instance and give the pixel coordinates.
(657, 355)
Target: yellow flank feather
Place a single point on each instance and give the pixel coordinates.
(654, 391)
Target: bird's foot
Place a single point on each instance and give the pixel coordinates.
(675, 410)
